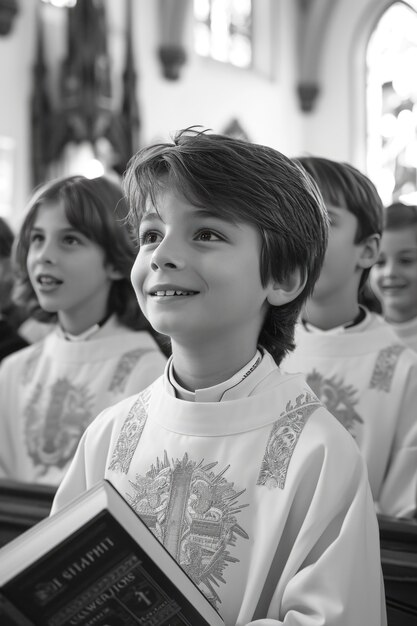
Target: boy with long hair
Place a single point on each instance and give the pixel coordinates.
(74, 254)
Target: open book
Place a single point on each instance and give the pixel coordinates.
(96, 563)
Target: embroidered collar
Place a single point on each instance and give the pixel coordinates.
(239, 385)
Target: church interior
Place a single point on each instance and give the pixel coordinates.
(332, 78)
(87, 83)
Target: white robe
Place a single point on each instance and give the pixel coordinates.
(367, 378)
(263, 500)
(51, 390)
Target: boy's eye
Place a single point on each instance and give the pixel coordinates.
(407, 260)
(148, 237)
(34, 237)
(71, 240)
(208, 235)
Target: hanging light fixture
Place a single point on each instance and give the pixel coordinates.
(172, 51)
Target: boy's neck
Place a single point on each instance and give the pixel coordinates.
(395, 317)
(83, 329)
(205, 366)
(328, 317)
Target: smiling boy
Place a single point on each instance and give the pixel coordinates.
(185, 292)
(394, 276)
(237, 468)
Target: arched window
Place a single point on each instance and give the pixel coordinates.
(391, 103)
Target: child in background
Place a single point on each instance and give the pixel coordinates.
(393, 278)
(249, 482)
(351, 358)
(74, 255)
(11, 316)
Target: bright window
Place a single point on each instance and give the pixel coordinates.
(61, 4)
(391, 102)
(223, 30)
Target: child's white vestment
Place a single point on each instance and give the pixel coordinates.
(52, 390)
(263, 498)
(367, 378)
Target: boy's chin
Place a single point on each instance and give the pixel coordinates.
(179, 336)
(48, 309)
(168, 324)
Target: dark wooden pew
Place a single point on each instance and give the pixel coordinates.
(399, 567)
(21, 506)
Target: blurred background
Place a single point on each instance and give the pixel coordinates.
(86, 83)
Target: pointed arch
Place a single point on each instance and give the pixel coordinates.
(365, 26)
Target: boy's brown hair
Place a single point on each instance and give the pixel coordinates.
(242, 182)
(97, 208)
(343, 185)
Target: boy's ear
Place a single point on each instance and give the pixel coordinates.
(368, 251)
(287, 290)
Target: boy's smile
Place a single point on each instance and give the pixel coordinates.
(394, 276)
(168, 291)
(173, 292)
(197, 276)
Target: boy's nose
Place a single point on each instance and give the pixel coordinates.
(47, 253)
(167, 256)
(390, 268)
